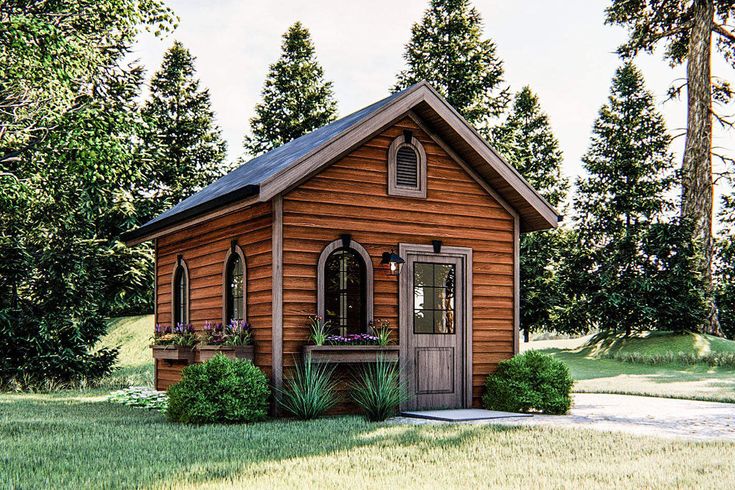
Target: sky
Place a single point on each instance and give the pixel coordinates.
(561, 48)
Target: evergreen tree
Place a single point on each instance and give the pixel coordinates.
(688, 29)
(447, 50)
(183, 140)
(628, 250)
(725, 270)
(296, 99)
(528, 143)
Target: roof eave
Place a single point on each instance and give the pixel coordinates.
(150, 229)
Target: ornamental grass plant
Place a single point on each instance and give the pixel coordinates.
(310, 391)
(377, 390)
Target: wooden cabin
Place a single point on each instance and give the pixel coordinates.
(306, 228)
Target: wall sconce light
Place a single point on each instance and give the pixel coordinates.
(437, 244)
(392, 262)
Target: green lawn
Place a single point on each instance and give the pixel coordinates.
(132, 336)
(66, 440)
(594, 372)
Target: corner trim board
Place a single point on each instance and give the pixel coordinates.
(277, 297)
(516, 284)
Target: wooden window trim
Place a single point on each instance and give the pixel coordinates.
(180, 263)
(331, 247)
(404, 191)
(237, 250)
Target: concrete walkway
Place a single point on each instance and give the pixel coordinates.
(641, 415)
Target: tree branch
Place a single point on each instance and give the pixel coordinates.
(720, 29)
(724, 121)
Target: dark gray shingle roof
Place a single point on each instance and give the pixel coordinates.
(245, 180)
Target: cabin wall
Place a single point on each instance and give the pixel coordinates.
(204, 247)
(351, 197)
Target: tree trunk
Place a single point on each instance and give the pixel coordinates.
(697, 183)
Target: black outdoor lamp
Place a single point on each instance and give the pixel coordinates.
(392, 263)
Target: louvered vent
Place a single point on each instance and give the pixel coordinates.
(407, 167)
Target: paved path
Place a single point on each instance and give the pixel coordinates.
(642, 415)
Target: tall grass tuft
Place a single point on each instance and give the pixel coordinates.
(377, 390)
(310, 391)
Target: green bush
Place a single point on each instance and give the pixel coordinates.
(529, 382)
(377, 390)
(310, 391)
(221, 390)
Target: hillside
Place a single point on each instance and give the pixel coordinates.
(132, 336)
(688, 365)
(657, 344)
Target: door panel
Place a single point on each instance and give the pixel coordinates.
(434, 370)
(432, 289)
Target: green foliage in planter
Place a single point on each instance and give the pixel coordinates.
(531, 381)
(310, 391)
(221, 390)
(319, 329)
(377, 390)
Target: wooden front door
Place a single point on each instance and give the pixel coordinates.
(433, 319)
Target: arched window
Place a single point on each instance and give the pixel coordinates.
(234, 285)
(180, 293)
(407, 167)
(346, 286)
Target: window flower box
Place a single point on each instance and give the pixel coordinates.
(206, 352)
(173, 353)
(350, 354)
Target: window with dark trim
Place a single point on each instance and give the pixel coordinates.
(345, 291)
(180, 292)
(234, 288)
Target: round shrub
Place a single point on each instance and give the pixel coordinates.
(531, 381)
(221, 390)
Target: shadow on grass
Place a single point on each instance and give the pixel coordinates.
(72, 442)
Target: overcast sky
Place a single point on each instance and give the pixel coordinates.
(562, 49)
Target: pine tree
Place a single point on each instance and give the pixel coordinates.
(688, 29)
(296, 99)
(622, 205)
(528, 143)
(447, 50)
(183, 141)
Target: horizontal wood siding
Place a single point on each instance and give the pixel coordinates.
(204, 247)
(351, 197)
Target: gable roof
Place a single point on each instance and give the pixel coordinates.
(281, 168)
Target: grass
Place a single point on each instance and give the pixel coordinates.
(66, 440)
(601, 364)
(134, 366)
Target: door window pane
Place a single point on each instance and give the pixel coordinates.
(433, 298)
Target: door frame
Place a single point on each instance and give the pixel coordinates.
(406, 249)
